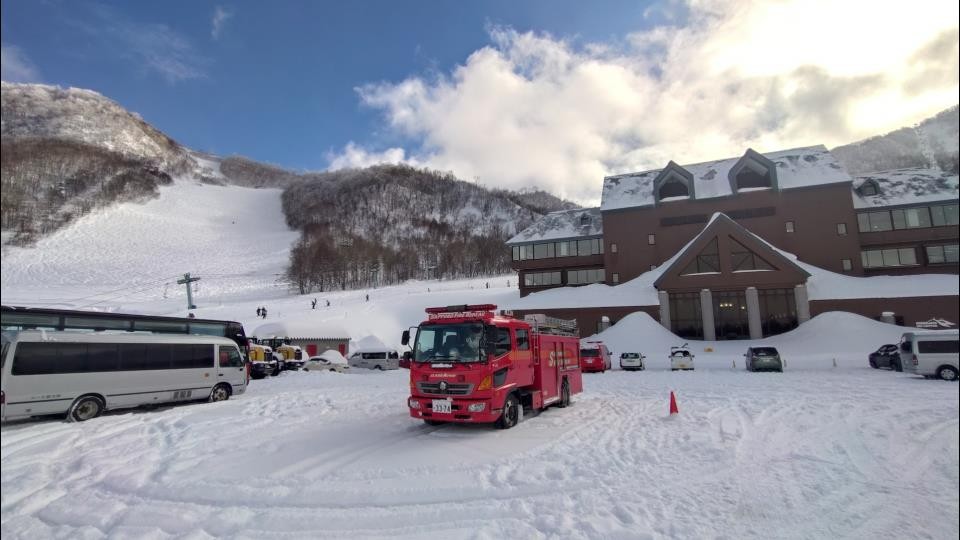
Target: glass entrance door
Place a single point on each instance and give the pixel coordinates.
(730, 315)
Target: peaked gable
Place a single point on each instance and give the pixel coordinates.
(744, 260)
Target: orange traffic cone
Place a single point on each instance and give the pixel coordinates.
(673, 404)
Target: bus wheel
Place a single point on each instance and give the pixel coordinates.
(511, 413)
(379, 368)
(564, 395)
(947, 373)
(85, 408)
(220, 392)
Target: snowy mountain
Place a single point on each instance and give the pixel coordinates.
(931, 144)
(69, 154)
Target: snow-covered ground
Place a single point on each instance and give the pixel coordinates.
(816, 452)
(845, 453)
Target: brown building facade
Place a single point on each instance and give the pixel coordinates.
(729, 230)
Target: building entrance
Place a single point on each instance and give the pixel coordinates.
(730, 315)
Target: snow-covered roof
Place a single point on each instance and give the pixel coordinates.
(906, 186)
(301, 328)
(582, 222)
(798, 167)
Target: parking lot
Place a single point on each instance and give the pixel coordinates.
(849, 452)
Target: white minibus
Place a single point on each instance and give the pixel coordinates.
(378, 359)
(82, 374)
(931, 354)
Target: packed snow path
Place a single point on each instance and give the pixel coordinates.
(845, 453)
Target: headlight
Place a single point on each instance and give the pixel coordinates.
(476, 407)
(414, 404)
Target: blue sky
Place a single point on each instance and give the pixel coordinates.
(276, 81)
(552, 94)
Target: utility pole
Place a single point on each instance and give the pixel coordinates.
(187, 280)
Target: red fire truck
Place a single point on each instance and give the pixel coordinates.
(471, 365)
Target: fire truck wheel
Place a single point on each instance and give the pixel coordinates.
(564, 395)
(511, 413)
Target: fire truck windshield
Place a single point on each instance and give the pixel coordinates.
(449, 343)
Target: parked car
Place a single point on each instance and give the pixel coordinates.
(681, 358)
(378, 359)
(932, 353)
(328, 361)
(763, 359)
(631, 361)
(405, 359)
(595, 356)
(887, 356)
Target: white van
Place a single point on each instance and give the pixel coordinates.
(82, 374)
(931, 354)
(379, 359)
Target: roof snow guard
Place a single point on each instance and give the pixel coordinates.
(579, 223)
(904, 186)
(787, 169)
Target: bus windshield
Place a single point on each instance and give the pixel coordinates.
(449, 343)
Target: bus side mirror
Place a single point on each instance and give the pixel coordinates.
(405, 337)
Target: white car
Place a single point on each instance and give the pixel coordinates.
(632, 361)
(328, 361)
(681, 358)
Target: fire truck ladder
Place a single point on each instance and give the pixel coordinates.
(552, 325)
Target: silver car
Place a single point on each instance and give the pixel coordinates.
(763, 359)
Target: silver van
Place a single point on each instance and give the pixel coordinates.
(931, 354)
(378, 359)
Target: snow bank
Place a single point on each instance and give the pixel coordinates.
(844, 337)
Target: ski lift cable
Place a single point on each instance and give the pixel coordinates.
(121, 289)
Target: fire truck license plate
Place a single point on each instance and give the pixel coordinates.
(442, 406)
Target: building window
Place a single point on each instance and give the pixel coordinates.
(778, 310)
(686, 320)
(583, 277)
(887, 258)
(751, 178)
(615, 277)
(542, 279)
(707, 261)
(651, 239)
(613, 247)
(741, 258)
(948, 214)
(847, 264)
(909, 218)
(942, 254)
(868, 189)
(789, 226)
(673, 188)
(842, 229)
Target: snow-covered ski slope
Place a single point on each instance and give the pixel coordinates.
(234, 238)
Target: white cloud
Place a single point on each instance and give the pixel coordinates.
(220, 16)
(354, 156)
(15, 66)
(532, 109)
(155, 48)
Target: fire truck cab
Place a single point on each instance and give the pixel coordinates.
(470, 365)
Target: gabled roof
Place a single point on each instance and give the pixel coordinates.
(722, 227)
(915, 185)
(582, 222)
(795, 168)
(749, 158)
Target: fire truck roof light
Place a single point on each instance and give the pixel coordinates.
(462, 308)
